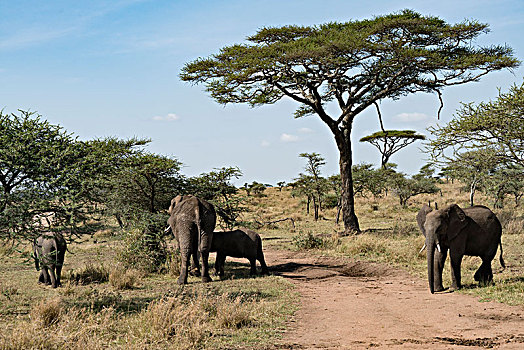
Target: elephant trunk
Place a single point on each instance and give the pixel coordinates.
(431, 246)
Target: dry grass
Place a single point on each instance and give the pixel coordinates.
(89, 273)
(137, 311)
(122, 278)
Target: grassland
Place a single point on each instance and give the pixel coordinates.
(103, 305)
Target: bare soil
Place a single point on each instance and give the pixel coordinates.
(348, 304)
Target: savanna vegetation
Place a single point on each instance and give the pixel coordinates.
(109, 196)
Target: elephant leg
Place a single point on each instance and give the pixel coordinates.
(484, 274)
(53, 276)
(195, 264)
(58, 274)
(45, 275)
(41, 277)
(438, 267)
(185, 261)
(265, 270)
(219, 264)
(456, 261)
(205, 267)
(253, 263)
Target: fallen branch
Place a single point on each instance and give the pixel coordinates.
(275, 221)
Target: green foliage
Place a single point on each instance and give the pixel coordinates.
(406, 188)
(496, 125)
(143, 184)
(308, 241)
(144, 250)
(216, 187)
(257, 189)
(49, 180)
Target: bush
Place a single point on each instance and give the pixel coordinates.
(145, 251)
(330, 201)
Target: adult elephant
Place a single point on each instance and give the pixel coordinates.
(49, 252)
(473, 231)
(192, 221)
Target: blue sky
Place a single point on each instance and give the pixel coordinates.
(110, 68)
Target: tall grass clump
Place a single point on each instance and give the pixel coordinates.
(47, 312)
(122, 278)
(88, 274)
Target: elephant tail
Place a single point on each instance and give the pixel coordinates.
(35, 255)
(501, 259)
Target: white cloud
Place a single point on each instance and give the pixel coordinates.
(168, 118)
(265, 143)
(305, 130)
(288, 138)
(412, 117)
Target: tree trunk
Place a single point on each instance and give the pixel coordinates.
(343, 139)
(472, 189)
(315, 208)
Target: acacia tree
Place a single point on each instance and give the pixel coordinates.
(389, 142)
(354, 65)
(318, 184)
(497, 125)
(49, 180)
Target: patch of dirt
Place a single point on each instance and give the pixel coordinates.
(348, 304)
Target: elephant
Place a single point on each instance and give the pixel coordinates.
(473, 231)
(49, 252)
(192, 221)
(239, 243)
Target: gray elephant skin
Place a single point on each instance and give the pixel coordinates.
(473, 231)
(192, 221)
(239, 243)
(49, 252)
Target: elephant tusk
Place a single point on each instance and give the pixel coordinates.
(438, 248)
(422, 249)
(167, 230)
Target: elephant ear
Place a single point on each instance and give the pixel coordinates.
(457, 221)
(174, 203)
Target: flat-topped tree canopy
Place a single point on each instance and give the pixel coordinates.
(353, 65)
(388, 142)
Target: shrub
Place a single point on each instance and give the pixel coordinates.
(308, 241)
(143, 250)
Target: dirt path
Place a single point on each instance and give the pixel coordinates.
(357, 305)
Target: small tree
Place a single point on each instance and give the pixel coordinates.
(389, 142)
(281, 185)
(217, 188)
(318, 184)
(257, 189)
(405, 188)
(144, 184)
(472, 168)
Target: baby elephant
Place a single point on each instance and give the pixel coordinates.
(49, 251)
(240, 243)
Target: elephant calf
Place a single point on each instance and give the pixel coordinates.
(240, 243)
(49, 251)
